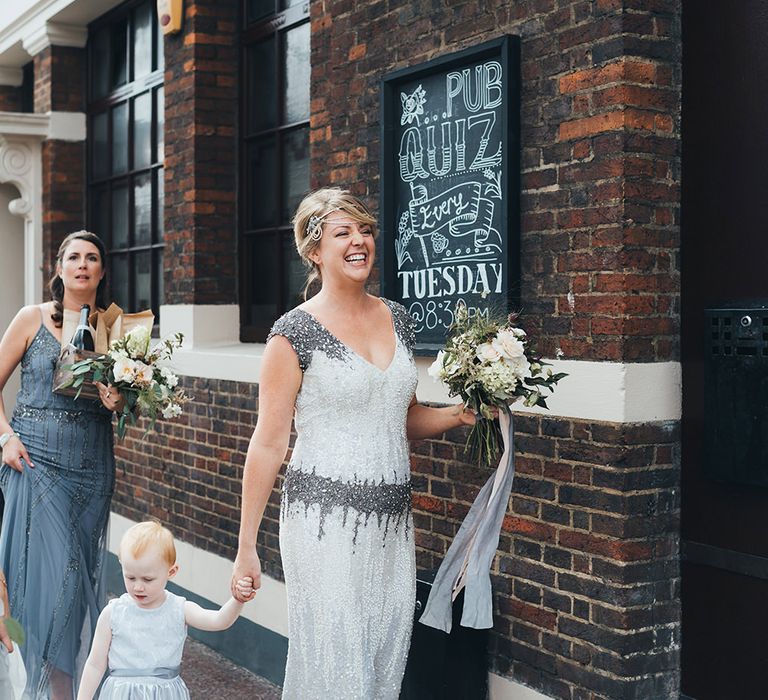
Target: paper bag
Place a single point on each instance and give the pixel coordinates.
(106, 326)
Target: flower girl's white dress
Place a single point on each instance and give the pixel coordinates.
(145, 653)
(13, 675)
(346, 538)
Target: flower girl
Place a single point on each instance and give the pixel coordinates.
(140, 635)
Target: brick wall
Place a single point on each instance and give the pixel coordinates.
(586, 580)
(600, 149)
(586, 583)
(60, 80)
(201, 155)
(189, 472)
(59, 85)
(63, 196)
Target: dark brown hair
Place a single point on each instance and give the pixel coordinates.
(56, 285)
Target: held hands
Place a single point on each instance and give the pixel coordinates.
(110, 397)
(247, 570)
(244, 588)
(15, 454)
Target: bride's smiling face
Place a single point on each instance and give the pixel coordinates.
(347, 249)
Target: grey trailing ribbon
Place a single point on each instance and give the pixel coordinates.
(468, 560)
(166, 673)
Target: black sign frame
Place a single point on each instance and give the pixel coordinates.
(503, 182)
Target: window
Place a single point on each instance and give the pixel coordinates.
(125, 151)
(274, 143)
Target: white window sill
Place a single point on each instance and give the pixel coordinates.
(604, 391)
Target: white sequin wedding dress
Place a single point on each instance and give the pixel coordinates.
(345, 530)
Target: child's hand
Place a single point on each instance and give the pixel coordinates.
(244, 587)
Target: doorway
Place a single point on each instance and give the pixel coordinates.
(724, 252)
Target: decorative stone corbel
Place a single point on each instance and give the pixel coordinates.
(21, 166)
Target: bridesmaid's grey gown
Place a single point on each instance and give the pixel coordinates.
(52, 542)
(346, 537)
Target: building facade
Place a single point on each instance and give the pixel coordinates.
(188, 152)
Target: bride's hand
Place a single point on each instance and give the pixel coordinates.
(467, 416)
(247, 565)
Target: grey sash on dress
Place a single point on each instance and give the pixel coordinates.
(166, 673)
(468, 560)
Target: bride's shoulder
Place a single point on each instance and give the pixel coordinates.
(297, 327)
(289, 324)
(404, 323)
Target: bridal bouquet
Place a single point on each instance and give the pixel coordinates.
(489, 363)
(148, 388)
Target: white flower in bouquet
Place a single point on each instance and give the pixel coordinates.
(172, 410)
(501, 378)
(137, 342)
(508, 345)
(486, 352)
(436, 368)
(144, 374)
(169, 378)
(124, 369)
(444, 366)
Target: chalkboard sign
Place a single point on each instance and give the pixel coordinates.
(450, 187)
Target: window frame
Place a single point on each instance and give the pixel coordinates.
(277, 25)
(150, 84)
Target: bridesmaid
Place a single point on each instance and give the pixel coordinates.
(57, 478)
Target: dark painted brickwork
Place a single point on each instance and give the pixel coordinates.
(201, 156)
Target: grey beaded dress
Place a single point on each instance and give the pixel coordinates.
(346, 536)
(52, 541)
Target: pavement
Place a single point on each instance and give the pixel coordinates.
(209, 676)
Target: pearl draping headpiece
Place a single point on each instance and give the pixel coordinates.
(315, 225)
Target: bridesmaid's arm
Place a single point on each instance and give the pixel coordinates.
(426, 421)
(279, 383)
(12, 347)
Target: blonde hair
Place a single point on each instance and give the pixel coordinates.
(149, 534)
(320, 203)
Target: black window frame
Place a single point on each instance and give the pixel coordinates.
(276, 24)
(150, 84)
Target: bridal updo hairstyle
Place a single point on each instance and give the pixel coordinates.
(320, 203)
(56, 285)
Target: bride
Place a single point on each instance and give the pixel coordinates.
(340, 365)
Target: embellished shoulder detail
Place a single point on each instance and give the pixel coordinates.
(404, 325)
(306, 334)
(43, 343)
